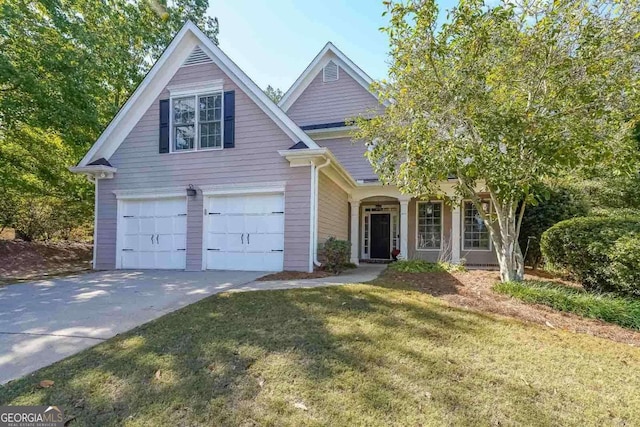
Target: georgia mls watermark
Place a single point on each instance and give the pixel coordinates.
(31, 416)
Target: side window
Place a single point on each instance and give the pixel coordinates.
(476, 233)
(429, 228)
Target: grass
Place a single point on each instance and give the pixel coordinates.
(608, 307)
(377, 355)
(420, 266)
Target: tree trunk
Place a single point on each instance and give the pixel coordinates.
(504, 223)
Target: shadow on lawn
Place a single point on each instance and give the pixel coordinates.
(211, 362)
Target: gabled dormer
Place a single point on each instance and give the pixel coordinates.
(331, 90)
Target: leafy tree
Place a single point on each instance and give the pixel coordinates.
(66, 67)
(503, 97)
(274, 94)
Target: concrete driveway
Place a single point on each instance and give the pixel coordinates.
(43, 322)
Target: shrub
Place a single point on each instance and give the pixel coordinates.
(336, 254)
(600, 252)
(624, 270)
(608, 307)
(562, 203)
(421, 266)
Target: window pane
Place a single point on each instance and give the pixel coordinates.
(183, 137)
(184, 111)
(429, 225)
(476, 233)
(210, 108)
(210, 136)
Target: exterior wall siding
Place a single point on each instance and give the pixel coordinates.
(253, 160)
(336, 101)
(333, 210)
(350, 154)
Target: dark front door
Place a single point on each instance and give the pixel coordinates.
(380, 235)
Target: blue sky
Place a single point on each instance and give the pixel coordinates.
(274, 40)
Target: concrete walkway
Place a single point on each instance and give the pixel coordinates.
(45, 321)
(364, 273)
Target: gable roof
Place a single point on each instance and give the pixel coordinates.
(328, 53)
(188, 38)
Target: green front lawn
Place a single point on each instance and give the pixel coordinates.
(624, 311)
(350, 355)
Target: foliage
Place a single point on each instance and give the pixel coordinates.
(505, 96)
(614, 192)
(274, 94)
(608, 307)
(559, 203)
(336, 254)
(600, 252)
(65, 70)
(421, 266)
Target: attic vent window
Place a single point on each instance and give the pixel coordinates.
(330, 72)
(197, 57)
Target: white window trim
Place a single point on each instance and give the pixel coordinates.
(418, 203)
(490, 249)
(196, 144)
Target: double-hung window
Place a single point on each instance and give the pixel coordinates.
(429, 230)
(476, 233)
(197, 122)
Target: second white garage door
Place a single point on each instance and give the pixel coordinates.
(244, 232)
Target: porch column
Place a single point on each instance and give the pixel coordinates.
(355, 231)
(455, 233)
(404, 226)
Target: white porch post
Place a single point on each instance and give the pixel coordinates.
(455, 233)
(355, 231)
(404, 226)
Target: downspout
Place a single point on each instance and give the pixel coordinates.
(312, 214)
(315, 222)
(94, 179)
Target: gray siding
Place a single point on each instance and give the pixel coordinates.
(351, 155)
(333, 210)
(328, 102)
(253, 160)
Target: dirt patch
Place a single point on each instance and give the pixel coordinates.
(472, 290)
(294, 275)
(21, 261)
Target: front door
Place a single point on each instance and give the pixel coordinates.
(380, 236)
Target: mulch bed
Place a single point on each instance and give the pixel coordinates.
(295, 275)
(472, 290)
(35, 260)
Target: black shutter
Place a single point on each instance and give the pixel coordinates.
(229, 119)
(163, 144)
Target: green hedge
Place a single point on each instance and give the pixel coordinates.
(603, 253)
(560, 203)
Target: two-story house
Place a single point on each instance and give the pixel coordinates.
(201, 170)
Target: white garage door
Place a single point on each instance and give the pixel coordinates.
(153, 234)
(245, 232)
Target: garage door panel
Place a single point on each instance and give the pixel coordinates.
(235, 224)
(153, 234)
(147, 225)
(264, 243)
(247, 230)
(131, 225)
